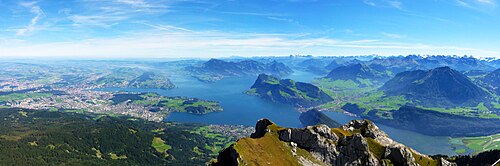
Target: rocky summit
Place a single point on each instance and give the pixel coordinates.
(359, 142)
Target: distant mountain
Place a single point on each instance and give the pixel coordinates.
(357, 73)
(287, 91)
(216, 69)
(315, 65)
(342, 62)
(441, 86)
(491, 81)
(314, 117)
(458, 63)
(397, 64)
(359, 142)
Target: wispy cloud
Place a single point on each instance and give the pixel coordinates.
(487, 2)
(478, 5)
(108, 13)
(37, 11)
(396, 4)
(96, 20)
(180, 42)
(283, 19)
(392, 35)
(250, 13)
(385, 3)
(166, 27)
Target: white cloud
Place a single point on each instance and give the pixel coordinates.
(177, 42)
(96, 20)
(488, 2)
(479, 5)
(396, 4)
(31, 27)
(108, 13)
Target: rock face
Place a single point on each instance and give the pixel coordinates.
(359, 142)
(441, 86)
(287, 91)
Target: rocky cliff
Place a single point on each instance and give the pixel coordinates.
(360, 142)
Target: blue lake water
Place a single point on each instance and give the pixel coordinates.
(242, 109)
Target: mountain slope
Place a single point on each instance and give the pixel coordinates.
(287, 91)
(491, 81)
(441, 86)
(359, 142)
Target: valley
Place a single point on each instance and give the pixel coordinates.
(226, 101)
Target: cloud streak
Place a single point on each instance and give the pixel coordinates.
(34, 9)
(177, 42)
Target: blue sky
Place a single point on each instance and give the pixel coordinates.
(199, 28)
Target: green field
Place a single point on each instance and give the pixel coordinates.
(160, 145)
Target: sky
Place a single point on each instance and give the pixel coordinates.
(223, 28)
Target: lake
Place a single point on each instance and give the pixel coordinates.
(243, 109)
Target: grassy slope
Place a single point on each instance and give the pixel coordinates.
(270, 150)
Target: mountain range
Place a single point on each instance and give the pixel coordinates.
(216, 69)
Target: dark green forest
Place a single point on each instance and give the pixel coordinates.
(29, 137)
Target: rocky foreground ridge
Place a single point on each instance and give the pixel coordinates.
(360, 142)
